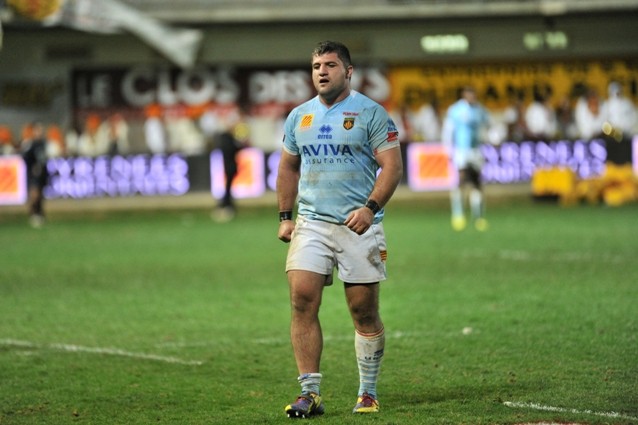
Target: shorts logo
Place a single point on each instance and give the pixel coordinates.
(306, 121)
(384, 255)
(348, 123)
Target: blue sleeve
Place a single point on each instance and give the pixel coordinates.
(290, 141)
(383, 133)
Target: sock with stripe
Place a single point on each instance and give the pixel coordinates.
(310, 383)
(369, 350)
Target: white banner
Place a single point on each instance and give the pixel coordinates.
(180, 45)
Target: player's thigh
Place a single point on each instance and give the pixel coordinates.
(306, 289)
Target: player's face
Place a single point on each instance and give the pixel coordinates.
(330, 77)
(470, 96)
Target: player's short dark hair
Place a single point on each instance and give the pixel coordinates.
(468, 89)
(333, 47)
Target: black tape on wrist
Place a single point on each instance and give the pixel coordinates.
(285, 215)
(373, 206)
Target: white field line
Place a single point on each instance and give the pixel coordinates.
(100, 350)
(286, 339)
(537, 406)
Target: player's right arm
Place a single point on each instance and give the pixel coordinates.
(287, 187)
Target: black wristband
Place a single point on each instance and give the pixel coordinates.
(285, 215)
(373, 206)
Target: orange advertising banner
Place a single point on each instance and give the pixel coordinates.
(13, 182)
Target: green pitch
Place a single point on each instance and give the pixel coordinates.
(170, 318)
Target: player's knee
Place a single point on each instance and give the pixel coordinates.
(304, 303)
(364, 316)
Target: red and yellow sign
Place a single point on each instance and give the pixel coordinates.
(429, 167)
(13, 183)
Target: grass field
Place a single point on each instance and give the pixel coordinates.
(168, 317)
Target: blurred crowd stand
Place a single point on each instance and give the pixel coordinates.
(192, 130)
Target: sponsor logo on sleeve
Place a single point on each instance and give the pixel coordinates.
(306, 121)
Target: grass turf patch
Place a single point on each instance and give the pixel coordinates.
(97, 308)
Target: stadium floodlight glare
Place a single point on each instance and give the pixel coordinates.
(445, 43)
(549, 40)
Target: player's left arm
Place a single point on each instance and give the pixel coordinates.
(287, 181)
(391, 166)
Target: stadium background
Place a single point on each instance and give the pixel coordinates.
(56, 73)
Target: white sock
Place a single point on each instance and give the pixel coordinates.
(369, 350)
(456, 200)
(476, 203)
(310, 383)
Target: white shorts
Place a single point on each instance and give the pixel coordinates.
(466, 158)
(319, 247)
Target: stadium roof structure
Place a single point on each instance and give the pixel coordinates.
(246, 11)
(182, 22)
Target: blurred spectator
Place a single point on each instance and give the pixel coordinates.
(26, 135)
(540, 119)
(72, 139)
(211, 124)
(619, 111)
(183, 132)
(422, 122)
(154, 131)
(497, 130)
(55, 142)
(514, 118)
(34, 153)
(116, 137)
(6, 141)
(588, 115)
(88, 141)
(565, 124)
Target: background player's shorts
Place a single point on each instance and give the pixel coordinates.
(468, 158)
(319, 247)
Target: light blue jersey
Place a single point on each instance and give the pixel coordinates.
(464, 124)
(337, 146)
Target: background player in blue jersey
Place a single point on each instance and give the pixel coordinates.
(341, 163)
(465, 122)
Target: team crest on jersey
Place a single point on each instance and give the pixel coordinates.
(306, 121)
(348, 123)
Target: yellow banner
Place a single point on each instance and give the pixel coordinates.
(499, 84)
